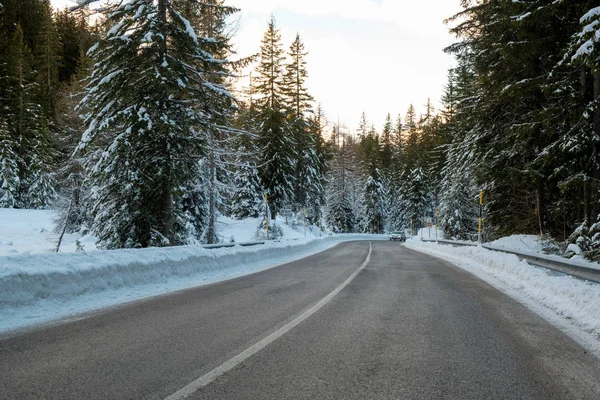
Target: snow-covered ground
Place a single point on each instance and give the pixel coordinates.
(38, 285)
(33, 232)
(569, 303)
(245, 230)
(525, 243)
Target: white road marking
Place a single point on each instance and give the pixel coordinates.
(233, 362)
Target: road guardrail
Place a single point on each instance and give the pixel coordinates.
(572, 268)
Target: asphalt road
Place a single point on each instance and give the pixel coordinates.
(331, 326)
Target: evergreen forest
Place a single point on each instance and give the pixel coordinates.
(141, 125)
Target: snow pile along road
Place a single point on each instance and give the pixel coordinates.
(38, 288)
(570, 304)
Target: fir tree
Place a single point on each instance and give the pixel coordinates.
(340, 211)
(9, 173)
(320, 158)
(307, 182)
(155, 137)
(47, 61)
(374, 208)
(387, 146)
(247, 201)
(277, 151)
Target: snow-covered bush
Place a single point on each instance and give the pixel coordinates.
(585, 241)
(275, 231)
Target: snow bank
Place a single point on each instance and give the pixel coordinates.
(527, 243)
(38, 288)
(532, 246)
(569, 303)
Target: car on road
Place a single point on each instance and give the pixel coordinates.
(401, 236)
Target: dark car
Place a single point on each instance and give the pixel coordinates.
(401, 236)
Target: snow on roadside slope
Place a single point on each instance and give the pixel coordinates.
(32, 231)
(527, 243)
(40, 288)
(569, 303)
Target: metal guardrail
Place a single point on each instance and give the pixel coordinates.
(223, 245)
(574, 269)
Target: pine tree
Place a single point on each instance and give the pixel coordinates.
(247, 201)
(209, 19)
(387, 145)
(147, 177)
(411, 145)
(46, 61)
(9, 173)
(374, 208)
(320, 158)
(415, 193)
(363, 127)
(299, 103)
(28, 127)
(458, 199)
(341, 213)
(277, 151)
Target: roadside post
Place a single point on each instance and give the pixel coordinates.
(436, 223)
(320, 224)
(480, 215)
(429, 223)
(267, 213)
(304, 221)
(411, 228)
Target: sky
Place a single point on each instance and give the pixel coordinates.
(376, 56)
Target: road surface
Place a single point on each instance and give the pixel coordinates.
(359, 321)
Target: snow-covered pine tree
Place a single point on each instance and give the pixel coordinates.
(307, 182)
(458, 198)
(9, 173)
(153, 136)
(47, 61)
(387, 146)
(277, 144)
(582, 143)
(363, 127)
(416, 196)
(28, 127)
(374, 210)
(340, 213)
(74, 196)
(247, 201)
(298, 100)
(412, 153)
(209, 18)
(322, 155)
(395, 208)
(40, 178)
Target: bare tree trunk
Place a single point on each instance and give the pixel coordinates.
(595, 173)
(64, 229)
(540, 205)
(167, 195)
(212, 234)
(586, 199)
(211, 206)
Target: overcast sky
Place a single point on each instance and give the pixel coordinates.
(373, 55)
